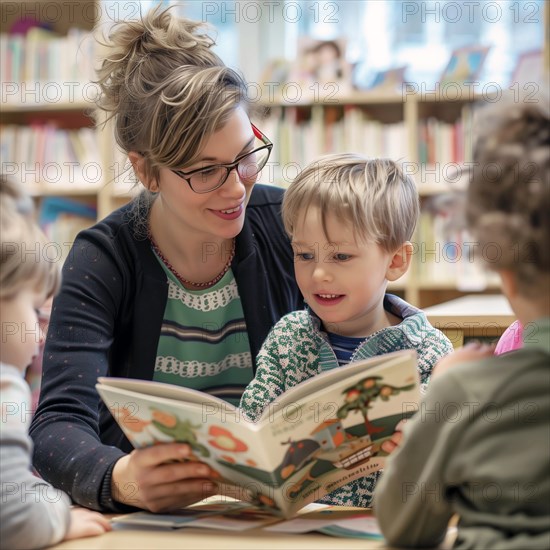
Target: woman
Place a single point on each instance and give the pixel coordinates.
(180, 286)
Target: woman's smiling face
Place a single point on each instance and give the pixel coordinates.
(219, 213)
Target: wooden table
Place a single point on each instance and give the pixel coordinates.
(204, 539)
(155, 538)
(483, 316)
(151, 537)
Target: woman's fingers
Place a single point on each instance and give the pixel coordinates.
(178, 494)
(169, 474)
(159, 454)
(156, 477)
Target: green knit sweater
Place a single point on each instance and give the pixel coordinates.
(297, 349)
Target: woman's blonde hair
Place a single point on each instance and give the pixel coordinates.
(508, 206)
(165, 89)
(23, 261)
(374, 197)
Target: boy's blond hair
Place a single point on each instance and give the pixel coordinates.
(508, 207)
(23, 262)
(373, 196)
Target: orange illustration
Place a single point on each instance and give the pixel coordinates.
(352, 395)
(266, 500)
(128, 420)
(225, 441)
(164, 418)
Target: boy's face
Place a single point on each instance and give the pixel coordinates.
(21, 335)
(342, 280)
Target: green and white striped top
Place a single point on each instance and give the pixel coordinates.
(203, 341)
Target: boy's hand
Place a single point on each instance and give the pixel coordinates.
(472, 351)
(394, 441)
(85, 523)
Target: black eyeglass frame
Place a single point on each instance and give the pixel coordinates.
(228, 167)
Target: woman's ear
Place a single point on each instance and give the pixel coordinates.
(400, 262)
(138, 164)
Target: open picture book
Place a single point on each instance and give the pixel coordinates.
(314, 438)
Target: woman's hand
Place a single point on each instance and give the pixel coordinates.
(472, 351)
(161, 478)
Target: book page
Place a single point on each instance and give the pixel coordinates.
(319, 436)
(161, 389)
(335, 434)
(306, 388)
(216, 432)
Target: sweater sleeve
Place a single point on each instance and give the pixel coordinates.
(33, 513)
(411, 501)
(268, 382)
(68, 450)
(435, 346)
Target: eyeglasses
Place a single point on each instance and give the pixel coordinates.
(248, 166)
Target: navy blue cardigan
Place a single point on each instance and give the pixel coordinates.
(106, 322)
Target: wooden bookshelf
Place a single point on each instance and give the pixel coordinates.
(403, 126)
(431, 136)
(49, 143)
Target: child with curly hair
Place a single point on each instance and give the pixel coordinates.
(478, 447)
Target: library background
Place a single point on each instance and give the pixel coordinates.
(383, 78)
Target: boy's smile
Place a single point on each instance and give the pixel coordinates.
(329, 299)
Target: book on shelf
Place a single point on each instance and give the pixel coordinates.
(35, 64)
(45, 156)
(443, 143)
(62, 219)
(446, 254)
(41, 58)
(306, 132)
(314, 438)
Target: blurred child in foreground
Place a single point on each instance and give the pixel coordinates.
(33, 513)
(479, 445)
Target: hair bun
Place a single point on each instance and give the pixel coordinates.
(130, 44)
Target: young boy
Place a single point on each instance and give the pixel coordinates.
(478, 447)
(33, 513)
(350, 220)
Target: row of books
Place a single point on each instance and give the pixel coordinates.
(42, 55)
(42, 155)
(446, 253)
(302, 135)
(299, 141)
(445, 143)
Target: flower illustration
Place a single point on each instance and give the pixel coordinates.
(224, 440)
